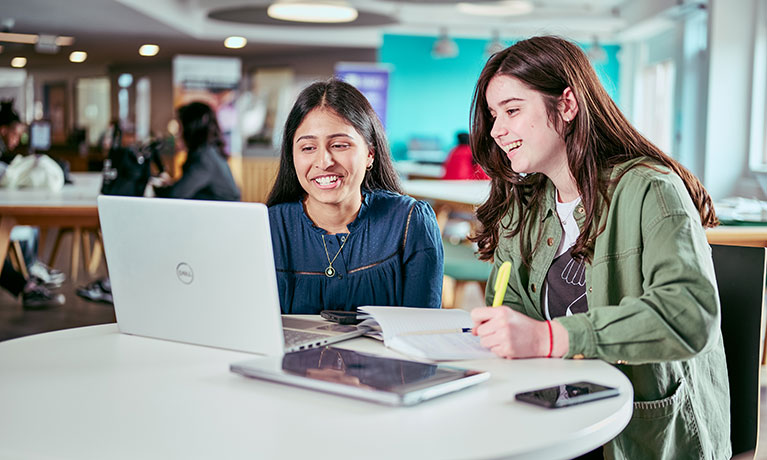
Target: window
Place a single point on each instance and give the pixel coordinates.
(655, 103)
(93, 107)
(758, 141)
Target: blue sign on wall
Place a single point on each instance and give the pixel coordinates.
(372, 80)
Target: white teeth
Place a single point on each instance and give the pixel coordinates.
(326, 180)
(513, 146)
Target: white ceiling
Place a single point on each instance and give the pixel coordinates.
(112, 30)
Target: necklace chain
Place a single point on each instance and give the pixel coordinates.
(330, 271)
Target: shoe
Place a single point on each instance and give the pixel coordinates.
(48, 276)
(97, 291)
(40, 298)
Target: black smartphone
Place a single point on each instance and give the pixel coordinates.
(568, 394)
(340, 316)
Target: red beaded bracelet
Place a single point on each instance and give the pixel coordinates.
(551, 340)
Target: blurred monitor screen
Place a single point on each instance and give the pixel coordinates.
(40, 135)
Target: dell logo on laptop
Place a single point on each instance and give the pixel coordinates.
(184, 273)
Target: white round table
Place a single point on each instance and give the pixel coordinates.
(95, 393)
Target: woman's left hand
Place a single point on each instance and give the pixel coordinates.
(510, 334)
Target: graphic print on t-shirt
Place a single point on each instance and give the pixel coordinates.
(566, 286)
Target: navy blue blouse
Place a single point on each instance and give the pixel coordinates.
(393, 256)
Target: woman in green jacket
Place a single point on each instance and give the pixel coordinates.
(605, 235)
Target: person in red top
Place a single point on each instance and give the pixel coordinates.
(459, 163)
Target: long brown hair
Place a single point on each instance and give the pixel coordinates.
(598, 138)
(350, 104)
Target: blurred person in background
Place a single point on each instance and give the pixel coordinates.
(205, 173)
(34, 291)
(460, 165)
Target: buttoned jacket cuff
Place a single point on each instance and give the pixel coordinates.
(581, 336)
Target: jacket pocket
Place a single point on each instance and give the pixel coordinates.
(661, 429)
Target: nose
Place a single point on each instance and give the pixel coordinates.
(324, 158)
(498, 130)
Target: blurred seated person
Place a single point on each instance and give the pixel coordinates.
(205, 173)
(460, 165)
(343, 234)
(33, 291)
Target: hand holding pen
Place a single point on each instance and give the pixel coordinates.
(511, 334)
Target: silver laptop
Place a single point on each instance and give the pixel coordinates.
(202, 272)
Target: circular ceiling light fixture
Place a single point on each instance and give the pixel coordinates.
(235, 43)
(502, 8)
(149, 50)
(78, 56)
(495, 44)
(445, 47)
(18, 62)
(303, 11)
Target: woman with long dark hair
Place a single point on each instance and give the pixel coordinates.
(343, 234)
(205, 173)
(605, 236)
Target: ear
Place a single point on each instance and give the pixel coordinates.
(568, 105)
(371, 157)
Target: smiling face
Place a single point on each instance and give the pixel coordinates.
(330, 158)
(522, 129)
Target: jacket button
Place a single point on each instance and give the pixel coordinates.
(578, 356)
(550, 241)
(590, 289)
(580, 210)
(533, 287)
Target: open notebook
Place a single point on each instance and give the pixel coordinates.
(433, 334)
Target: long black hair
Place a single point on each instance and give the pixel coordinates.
(349, 104)
(598, 138)
(199, 127)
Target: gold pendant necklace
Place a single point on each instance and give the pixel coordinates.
(330, 271)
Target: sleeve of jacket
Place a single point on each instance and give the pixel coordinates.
(423, 260)
(677, 314)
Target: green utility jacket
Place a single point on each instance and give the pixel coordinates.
(653, 311)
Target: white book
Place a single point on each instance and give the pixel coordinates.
(428, 333)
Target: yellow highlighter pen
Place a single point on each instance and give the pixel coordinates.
(501, 281)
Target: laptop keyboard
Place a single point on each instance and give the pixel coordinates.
(293, 338)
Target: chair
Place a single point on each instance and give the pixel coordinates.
(461, 268)
(740, 275)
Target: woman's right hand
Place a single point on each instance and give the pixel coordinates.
(510, 334)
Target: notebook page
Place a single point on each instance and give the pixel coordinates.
(397, 320)
(441, 347)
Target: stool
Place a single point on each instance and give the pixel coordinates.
(17, 258)
(80, 246)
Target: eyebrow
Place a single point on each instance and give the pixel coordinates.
(332, 136)
(511, 99)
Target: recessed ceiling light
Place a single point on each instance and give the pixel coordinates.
(235, 42)
(327, 12)
(502, 8)
(18, 62)
(148, 50)
(78, 56)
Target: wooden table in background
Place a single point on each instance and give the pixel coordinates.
(74, 206)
